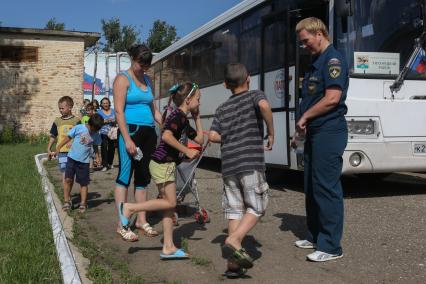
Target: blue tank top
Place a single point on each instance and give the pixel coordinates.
(138, 103)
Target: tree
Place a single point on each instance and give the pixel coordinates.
(161, 36)
(118, 38)
(53, 25)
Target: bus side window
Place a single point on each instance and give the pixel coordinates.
(250, 38)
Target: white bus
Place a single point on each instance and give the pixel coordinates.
(387, 130)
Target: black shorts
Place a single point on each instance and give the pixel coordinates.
(145, 138)
(79, 170)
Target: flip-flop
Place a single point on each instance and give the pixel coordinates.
(240, 256)
(178, 254)
(124, 221)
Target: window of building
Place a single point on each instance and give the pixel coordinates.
(18, 54)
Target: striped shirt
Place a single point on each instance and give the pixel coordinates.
(178, 124)
(240, 124)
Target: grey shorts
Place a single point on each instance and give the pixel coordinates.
(245, 192)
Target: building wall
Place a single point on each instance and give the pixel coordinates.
(29, 91)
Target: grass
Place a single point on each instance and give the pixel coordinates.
(200, 261)
(184, 244)
(27, 250)
(105, 266)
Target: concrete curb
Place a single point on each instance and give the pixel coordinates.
(71, 260)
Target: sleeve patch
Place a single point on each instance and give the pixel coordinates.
(334, 71)
(334, 61)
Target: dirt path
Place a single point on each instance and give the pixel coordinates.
(382, 242)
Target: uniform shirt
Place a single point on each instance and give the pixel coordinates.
(137, 109)
(178, 124)
(240, 125)
(329, 69)
(83, 140)
(60, 128)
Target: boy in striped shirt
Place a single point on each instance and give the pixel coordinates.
(238, 126)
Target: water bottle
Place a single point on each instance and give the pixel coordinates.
(300, 143)
(138, 156)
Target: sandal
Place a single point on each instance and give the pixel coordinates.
(127, 235)
(178, 254)
(67, 205)
(125, 232)
(234, 274)
(240, 256)
(82, 208)
(148, 231)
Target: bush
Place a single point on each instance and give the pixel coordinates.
(7, 134)
(10, 134)
(38, 139)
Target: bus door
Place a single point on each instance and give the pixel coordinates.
(302, 61)
(277, 81)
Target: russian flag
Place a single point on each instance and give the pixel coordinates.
(419, 63)
(87, 84)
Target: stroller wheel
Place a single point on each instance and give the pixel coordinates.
(206, 217)
(201, 216)
(175, 219)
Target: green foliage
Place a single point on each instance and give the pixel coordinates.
(118, 38)
(38, 139)
(10, 134)
(99, 273)
(200, 261)
(52, 24)
(161, 36)
(27, 250)
(7, 134)
(184, 244)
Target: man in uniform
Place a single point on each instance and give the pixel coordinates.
(323, 123)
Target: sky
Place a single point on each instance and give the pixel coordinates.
(85, 16)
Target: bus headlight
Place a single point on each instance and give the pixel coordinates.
(355, 159)
(361, 127)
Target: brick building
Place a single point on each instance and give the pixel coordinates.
(37, 67)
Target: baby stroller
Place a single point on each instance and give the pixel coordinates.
(186, 183)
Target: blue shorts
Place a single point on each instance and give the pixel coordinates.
(79, 170)
(62, 161)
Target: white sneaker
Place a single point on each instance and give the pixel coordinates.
(305, 244)
(319, 256)
(104, 169)
(111, 166)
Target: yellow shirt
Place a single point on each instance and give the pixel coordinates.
(61, 127)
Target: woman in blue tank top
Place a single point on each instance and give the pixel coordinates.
(136, 114)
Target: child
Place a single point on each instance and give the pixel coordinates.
(89, 111)
(59, 130)
(169, 152)
(83, 108)
(85, 136)
(95, 161)
(238, 126)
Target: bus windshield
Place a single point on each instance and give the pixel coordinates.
(381, 28)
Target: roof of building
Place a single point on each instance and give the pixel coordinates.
(90, 38)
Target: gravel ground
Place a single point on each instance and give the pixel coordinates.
(383, 238)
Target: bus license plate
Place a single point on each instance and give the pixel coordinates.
(419, 148)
